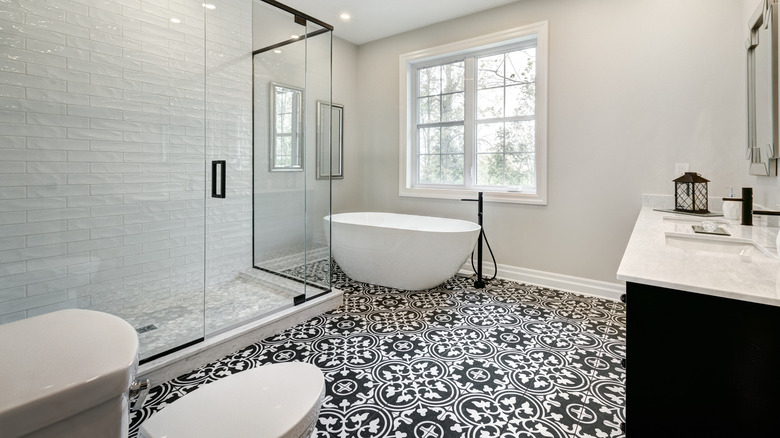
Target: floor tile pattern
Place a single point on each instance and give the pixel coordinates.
(510, 360)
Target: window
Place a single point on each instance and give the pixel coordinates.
(474, 118)
(286, 128)
(440, 123)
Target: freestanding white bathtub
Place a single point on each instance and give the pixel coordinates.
(400, 250)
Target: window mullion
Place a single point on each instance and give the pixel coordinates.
(441, 160)
(504, 113)
(415, 150)
(469, 127)
(439, 124)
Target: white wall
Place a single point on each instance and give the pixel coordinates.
(634, 87)
(348, 192)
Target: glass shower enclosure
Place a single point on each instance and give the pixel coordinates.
(292, 74)
(140, 174)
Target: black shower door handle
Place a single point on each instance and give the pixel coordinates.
(218, 179)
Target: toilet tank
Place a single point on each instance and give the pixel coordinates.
(66, 374)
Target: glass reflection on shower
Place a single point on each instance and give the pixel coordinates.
(292, 71)
(110, 125)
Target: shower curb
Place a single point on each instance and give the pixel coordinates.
(219, 345)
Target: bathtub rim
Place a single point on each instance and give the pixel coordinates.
(467, 226)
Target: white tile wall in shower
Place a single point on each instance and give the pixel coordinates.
(229, 137)
(107, 111)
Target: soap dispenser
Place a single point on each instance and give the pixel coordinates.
(731, 206)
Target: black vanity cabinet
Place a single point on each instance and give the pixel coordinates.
(700, 365)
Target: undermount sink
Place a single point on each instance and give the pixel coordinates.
(691, 220)
(716, 244)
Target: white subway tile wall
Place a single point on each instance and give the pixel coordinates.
(228, 137)
(109, 117)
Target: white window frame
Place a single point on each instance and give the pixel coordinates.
(408, 64)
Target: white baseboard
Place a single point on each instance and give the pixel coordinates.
(585, 286)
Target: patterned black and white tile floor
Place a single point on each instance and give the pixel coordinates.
(510, 360)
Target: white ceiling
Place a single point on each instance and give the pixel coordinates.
(375, 19)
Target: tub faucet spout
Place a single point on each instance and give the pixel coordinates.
(478, 283)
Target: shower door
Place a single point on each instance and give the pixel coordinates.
(102, 138)
(292, 73)
(114, 121)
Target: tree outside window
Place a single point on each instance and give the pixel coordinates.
(502, 123)
(474, 118)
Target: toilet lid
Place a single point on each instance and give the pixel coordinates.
(278, 400)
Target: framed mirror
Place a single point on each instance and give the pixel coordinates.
(286, 151)
(330, 140)
(762, 67)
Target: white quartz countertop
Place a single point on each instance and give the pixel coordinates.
(648, 259)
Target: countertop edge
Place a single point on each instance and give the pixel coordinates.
(648, 260)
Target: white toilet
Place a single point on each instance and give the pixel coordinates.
(66, 374)
(272, 401)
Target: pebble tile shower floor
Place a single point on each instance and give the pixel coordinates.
(510, 360)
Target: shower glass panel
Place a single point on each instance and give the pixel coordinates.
(231, 297)
(102, 133)
(317, 274)
(111, 115)
(292, 71)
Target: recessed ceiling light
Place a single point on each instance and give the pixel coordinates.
(208, 6)
(295, 37)
(175, 20)
(345, 16)
(277, 51)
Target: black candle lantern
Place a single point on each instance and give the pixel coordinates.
(690, 193)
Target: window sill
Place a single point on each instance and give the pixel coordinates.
(489, 196)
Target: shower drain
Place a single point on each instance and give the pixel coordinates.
(146, 328)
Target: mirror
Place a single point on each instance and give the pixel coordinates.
(286, 152)
(330, 140)
(763, 90)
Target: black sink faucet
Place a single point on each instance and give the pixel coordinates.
(747, 206)
(766, 212)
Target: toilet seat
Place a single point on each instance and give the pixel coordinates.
(274, 401)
